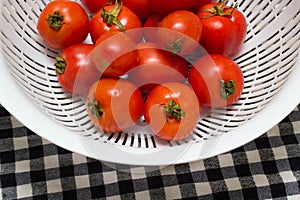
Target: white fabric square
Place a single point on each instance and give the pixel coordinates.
(142, 195)
(280, 153)
(226, 160)
(78, 159)
(296, 126)
(172, 192)
(288, 177)
(110, 177)
(22, 166)
(197, 166)
(20, 143)
(24, 191)
(15, 123)
(253, 156)
(82, 181)
(233, 184)
(54, 186)
(51, 162)
(260, 180)
(203, 188)
(273, 132)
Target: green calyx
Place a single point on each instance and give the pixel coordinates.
(60, 65)
(112, 17)
(173, 110)
(176, 46)
(227, 88)
(95, 108)
(55, 21)
(218, 10)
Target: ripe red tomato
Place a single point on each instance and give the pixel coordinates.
(114, 18)
(115, 54)
(151, 26)
(156, 66)
(185, 35)
(62, 24)
(198, 4)
(114, 105)
(168, 6)
(223, 29)
(139, 7)
(75, 70)
(172, 111)
(94, 6)
(217, 80)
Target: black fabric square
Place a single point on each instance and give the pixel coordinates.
(214, 174)
(94, 167)
(62, 151)
(243, 170)
(3, 112)
(67, 171)
(289, 139)
(126, 187)
(37, 176)
(262, 143)
(7, 157)
(8, 180)
(98, 191)
(40, 197)
(6, 133)
(36, 152)
(221, 195)
(278, 190)
(155, 182)
(294, 163)
(250, 193)
(269, 167)
(71, 194)
(185, 178)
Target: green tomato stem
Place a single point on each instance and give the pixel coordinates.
(173, 110)
(60, 65)
(55, 21)
(95, 108)
(112, 17)
(227, 88)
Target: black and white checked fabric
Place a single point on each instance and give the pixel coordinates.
(33, 168)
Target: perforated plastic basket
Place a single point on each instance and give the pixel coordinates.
(269, 60)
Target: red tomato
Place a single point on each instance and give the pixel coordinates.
(114, 105)
(198, 4)
(62, 24)
(168, 6)
(217, 80)
(139, 7)
(150, 27)
(172, 111)
(224, 29)
(157, 66)
(115, 54)
(114, 18)
(186, 32)
(94, 5)
(76, 71)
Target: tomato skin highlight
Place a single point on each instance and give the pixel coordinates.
(121, 103)
(156, 66)
(74, 25)
(222, 34)
(79, 72)
(127, 18)
(206, 74)
(186, 30)
(169, 128)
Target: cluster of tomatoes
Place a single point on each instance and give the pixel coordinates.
(137, 62)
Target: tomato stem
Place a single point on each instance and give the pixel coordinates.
(60, 65)
(176, 46)
(95, 108)
(55, 21)
(218, 10)
(227, 88)
(112, 17)
(173, 110)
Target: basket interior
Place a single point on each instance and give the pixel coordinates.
(266, 59)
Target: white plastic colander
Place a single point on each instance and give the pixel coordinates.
(269, 59)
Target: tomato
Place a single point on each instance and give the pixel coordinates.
(186, 32)
(115, 54)
(223, 29)
(94, 6)
(172, 111)
(151, 26)
(114, 18)
(114, 105)
(62, 24)
(198, 4)
(168, 6)
(139, 7)
(157, 66)
(217, 80)
(75, 70)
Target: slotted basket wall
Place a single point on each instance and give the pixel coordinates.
(269, 60)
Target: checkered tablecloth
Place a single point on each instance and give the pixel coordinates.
(33, 168)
